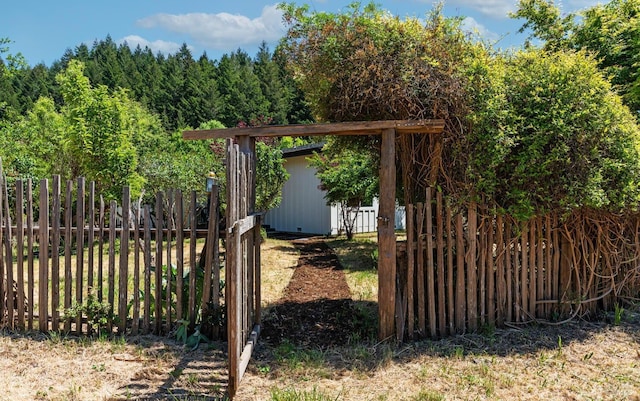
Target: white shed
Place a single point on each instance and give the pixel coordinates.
(304, 208)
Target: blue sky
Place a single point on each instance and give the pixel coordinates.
(43, 29)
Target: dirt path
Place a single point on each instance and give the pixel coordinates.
(316, 308)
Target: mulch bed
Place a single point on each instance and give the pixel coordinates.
(316, 308)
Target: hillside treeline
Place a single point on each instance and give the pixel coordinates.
(181, 89)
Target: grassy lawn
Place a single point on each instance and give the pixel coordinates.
(578, 361)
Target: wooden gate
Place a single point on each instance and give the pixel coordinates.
(243, 258)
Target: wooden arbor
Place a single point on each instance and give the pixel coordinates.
(243, 254)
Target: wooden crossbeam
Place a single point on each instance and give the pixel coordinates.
(346, 128)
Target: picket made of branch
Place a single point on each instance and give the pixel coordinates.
(482, 268)
(115, 254)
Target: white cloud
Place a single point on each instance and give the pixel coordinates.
(222, 31)
(491, 8)
(471, 25)
(155, 46)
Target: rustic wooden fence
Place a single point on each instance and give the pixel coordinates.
(462, 269)
(72, 248)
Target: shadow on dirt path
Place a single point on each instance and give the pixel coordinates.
(316, 308)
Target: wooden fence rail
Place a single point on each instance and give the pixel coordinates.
(74, 249)
(460, 270)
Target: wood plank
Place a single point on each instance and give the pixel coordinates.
(411, 230)
(345, 128)
(30, 261)
(517, 290)
(146, 316)
(112, 259)
(135, 324)
(208, 252)
(540, 268)
(20, 253)
(245, 357)
(495, 300)
(192, 260)
(431, 287)
(532, 268)
(548, 265)
(123, 271)
(461, 302)
(3, 267)
(169, 275)
(420, 273)
(450, 279)
(179, 253)
(80, 221)
(101, 233)
(472, 276)
(68, 240)
(491, 271)
(500, 281)
(55, 253)
(91, 219)
(524, 271)
(8, 254)
(509, 271)
(216, 258)
(158, 264)
(442, 280)
(483, 234)
(386, 236)
(43, 266)
(257, 277)
(555, 272)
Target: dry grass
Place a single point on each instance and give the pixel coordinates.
(579, 361)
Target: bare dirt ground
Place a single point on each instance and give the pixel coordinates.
(317, 344)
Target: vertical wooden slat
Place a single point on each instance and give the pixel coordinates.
(442, 323)
(30, 261)
(43, 266)
(55, 254)
(179, 254)
(422, 300)
(411, 238)
(450, 280)
(508, 264)
(101, 229)
(540, 268)
(146, 319)
(524, 271)
(216, 257)
(491, 263)
(500, 282)
(135, 324)
(111, 270)
(386, 235)
(158, 263)
(461, 301)
(517, 288)
(483, 234)
(91, 220)
(532, 268)
(257, 273)
(233, 247)
(123, 272)
(3, 227)
(192, 259)
(169, 277)
(555, 273)
(8, 255)
(80, 219)
(495, 300)
(430, 265)
(472, 277)
(548, 265)
(209, 245)
(192, 264)
(68, 278)
(20, 252)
